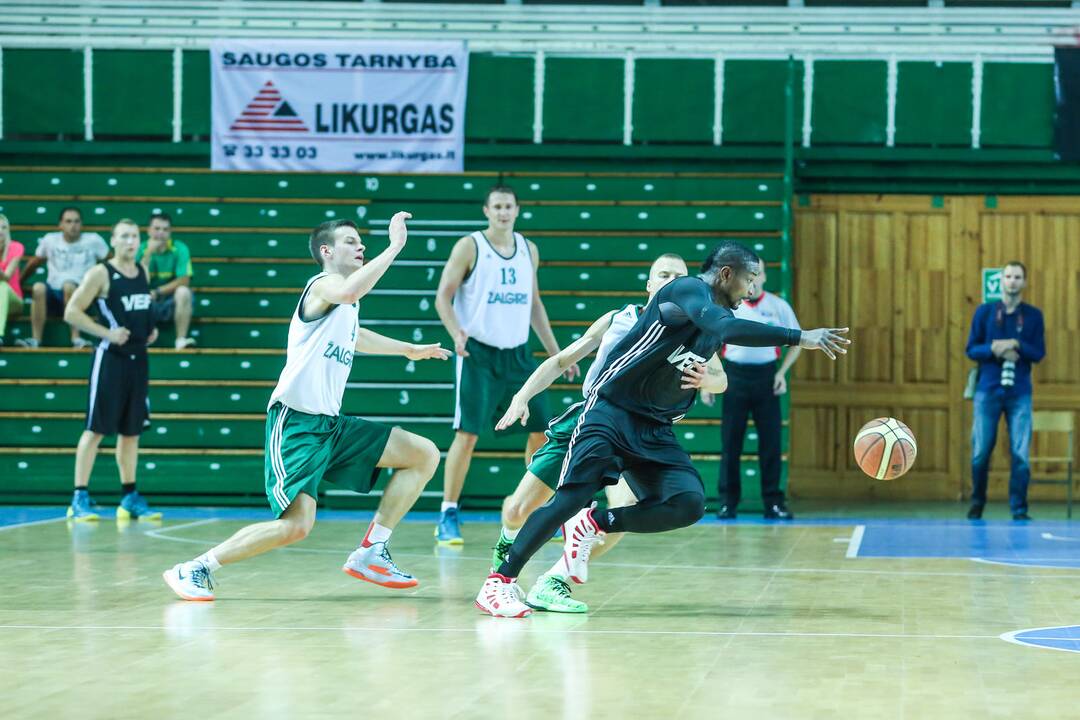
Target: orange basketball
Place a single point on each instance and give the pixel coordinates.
(885, 448)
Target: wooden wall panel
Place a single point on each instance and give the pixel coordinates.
(904, 272)
(820, 444)
(923, 262)
(816, 302)
(868, 272)
(1054, 287)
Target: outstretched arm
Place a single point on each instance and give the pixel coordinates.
(538, 317)
(550, 370)
(372, 343)
(690, 299)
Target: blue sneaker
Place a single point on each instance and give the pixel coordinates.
(82, 507)
(133, 506)
(448, 531)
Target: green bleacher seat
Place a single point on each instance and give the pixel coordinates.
(469, 188)
(248, 234)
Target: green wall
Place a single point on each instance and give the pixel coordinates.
(583, 100)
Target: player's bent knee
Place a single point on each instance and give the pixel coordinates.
(514, 514)
(426, 454)
(688, 506)
(296, 531)
(298, 527)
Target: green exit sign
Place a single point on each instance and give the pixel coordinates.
(991, 284)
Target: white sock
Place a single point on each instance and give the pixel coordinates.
(559, 569)
(376, 533)
(209, 560)
(509, 534)
(448, 506)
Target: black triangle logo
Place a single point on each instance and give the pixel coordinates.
(284, 110)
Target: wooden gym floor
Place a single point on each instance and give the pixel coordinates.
(901, 617)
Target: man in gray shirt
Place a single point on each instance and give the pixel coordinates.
(67, 255)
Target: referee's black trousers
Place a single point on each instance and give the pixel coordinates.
(750, 393)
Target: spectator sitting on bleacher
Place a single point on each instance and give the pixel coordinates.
(11, 295)
(168, 265)
(67, 255)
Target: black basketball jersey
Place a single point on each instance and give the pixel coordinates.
(127, 305)
(682, 325)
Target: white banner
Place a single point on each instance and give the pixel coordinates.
(307, 105)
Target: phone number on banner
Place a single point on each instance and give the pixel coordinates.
(277, 152)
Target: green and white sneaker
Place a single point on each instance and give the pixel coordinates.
(552, 593)
(501, 551)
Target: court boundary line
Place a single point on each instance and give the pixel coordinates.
(856, 541)
(29, 523)
(157, 534)
(502, 622)
(1010, 637)
(1034, 564)
(160, 533)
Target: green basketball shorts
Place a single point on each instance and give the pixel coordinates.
(546, 463)
(486, 382)
(302, 450)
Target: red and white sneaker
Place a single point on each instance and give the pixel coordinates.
(581, 533)
(501, 597)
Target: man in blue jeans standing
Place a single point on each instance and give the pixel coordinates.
(1006, 338)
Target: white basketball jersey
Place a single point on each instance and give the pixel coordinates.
(494, 304)
(621, 322)
(319, 359)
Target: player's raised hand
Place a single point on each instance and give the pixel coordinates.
(693, 376)
(828, 340)
(398, 232)
(518, 411)
(428, 352)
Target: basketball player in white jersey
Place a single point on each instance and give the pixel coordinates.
(309, 440)
(552, 590)
(488, 298)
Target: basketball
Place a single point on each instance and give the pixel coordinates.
(885, 448)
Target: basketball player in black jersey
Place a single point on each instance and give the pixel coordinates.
(625, 427)
(119, 374)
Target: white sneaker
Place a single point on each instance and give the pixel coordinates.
(501, 597)
(80, 343)
(191, 581)
(581, 533)
(374, 564)
(27, 342)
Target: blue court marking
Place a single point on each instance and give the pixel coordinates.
(15, 515)
(1065, 638)
(1043, 544)
(29, 515)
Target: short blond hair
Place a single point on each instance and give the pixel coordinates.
(124, 221)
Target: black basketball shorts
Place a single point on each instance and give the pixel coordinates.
(118, 403)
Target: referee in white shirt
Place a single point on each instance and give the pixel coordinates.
(755, 384)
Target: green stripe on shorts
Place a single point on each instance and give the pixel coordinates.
(303, 449)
